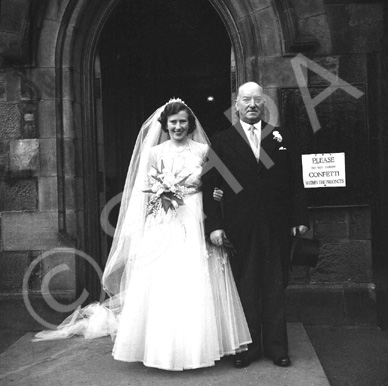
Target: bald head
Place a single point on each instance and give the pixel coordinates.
(248, 88)
(250, 102)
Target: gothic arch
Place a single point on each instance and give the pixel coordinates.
(66, 48)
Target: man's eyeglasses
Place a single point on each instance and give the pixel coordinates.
(256, 100)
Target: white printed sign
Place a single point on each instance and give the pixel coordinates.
(324, 170)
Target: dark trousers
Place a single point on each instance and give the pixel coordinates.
(257, 270)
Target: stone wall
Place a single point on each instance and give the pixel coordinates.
(43, 136)
(28, 154)
(19, 170)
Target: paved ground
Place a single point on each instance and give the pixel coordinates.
(352, 356)
(349, 356)
(78, 361)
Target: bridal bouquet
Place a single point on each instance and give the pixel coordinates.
(167, 191)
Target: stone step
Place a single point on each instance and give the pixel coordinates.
(77, 361)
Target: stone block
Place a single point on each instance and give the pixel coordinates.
(355, 28)
(331, 231)
(69, 167)
(29, 127)
(29, 231)
(18, 194)
(44, 78)
(353, 68)
(48, 193)
(79, 193)
(58, 269)
(13, 15)
(13, 84)
(307, 8)
(328, 63)
(48, 157)
(70, 194)
(4, 157)
(271, 110)
(10, 120)
(35, 275)
(341, 261)
(315, 304)
(270, 40)
(80, 215)
(3, 86)
(77, 120)
(47, 44)
(299, 275)
(47, 119)
(24, 156)
(277, 72)
(78, 157)
(317, 26)
(360, 226)
(71, 224)
(13, 265)
(67, 78)
(53, 270)
(68, 119)
(77, 85)
(258, 5)
(68, 48)
(56, 9)
(15, 316)
(360, 305)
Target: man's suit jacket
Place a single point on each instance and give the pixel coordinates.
(276, 194)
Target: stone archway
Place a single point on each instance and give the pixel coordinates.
(70, 30)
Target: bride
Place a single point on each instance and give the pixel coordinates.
(172, 302)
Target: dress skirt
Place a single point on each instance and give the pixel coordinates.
(181, 308)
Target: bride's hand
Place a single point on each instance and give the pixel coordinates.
(218, 194)
(217, 237)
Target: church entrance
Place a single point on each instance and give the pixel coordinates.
(149, 52)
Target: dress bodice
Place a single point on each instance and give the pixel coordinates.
(187, 162)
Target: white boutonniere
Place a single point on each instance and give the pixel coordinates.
(277, 136)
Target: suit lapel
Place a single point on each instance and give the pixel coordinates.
(268, 146)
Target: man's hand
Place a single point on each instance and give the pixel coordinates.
(218, 194)
(217, 237)
(301, 228)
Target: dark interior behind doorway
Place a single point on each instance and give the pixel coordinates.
(150, 51)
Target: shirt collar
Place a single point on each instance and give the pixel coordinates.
(246, 126)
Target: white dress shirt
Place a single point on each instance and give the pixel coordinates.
(257, 132)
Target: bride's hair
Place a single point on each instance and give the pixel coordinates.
(173, 108)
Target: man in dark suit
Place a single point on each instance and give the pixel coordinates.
(258, 220)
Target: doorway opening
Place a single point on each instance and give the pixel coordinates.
(149, 52)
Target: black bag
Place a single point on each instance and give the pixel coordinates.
(304, 251)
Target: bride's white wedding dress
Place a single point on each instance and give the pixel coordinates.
(174, 302)
(181, 308)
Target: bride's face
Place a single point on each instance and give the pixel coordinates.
(178, 126)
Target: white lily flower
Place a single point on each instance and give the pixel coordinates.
(160, 191)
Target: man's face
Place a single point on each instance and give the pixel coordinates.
(250, 103)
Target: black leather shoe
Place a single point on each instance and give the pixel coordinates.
(241, 360)
(283, 361)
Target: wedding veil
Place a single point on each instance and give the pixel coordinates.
(99, 319)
